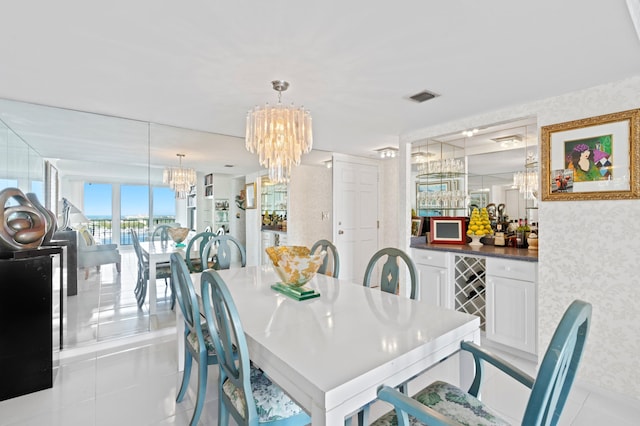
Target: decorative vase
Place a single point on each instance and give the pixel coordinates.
(475, 240)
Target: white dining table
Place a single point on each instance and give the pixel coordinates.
(332, 353)
(159, 253)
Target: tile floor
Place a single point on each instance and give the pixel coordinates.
(122, 370)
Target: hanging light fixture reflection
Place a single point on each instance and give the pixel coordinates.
(180, 179)
(279, 134)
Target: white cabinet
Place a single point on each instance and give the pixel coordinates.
(502, 292)
(512, 303)
(434, 276)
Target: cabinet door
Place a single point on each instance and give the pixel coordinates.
(511, 312)
(433, 285)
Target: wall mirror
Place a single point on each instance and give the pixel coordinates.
(455, 172)
(112, 168)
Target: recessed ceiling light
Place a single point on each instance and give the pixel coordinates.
(423, 96)
(229, 165)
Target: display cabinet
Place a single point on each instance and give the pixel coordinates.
(273, 204)
(221, 214)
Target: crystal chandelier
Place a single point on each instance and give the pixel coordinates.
(179, 179)
(279, 134)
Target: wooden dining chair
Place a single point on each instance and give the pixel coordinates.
(222, 258)
(444, 404)
(390, 275)
(244, 391)
(199, 240)
(198, 343)
(327, 246)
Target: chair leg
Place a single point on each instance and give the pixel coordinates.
(118, 267)
(186, 373)
(363, 416)
(86, 273)
(223, 413)
(202, 388)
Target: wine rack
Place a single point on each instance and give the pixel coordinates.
(470, 286)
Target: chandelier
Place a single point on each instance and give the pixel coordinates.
(279, 134)
(179, 179)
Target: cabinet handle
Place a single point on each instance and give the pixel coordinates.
(340, 232)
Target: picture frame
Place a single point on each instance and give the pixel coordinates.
(417, 224)
(448, 230)
(594, 158)
(250, 193)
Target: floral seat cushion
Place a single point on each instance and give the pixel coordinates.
(192, 340)
(451, 402)
(271, 402)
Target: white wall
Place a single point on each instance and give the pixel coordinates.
(588, 249)
(310, 194)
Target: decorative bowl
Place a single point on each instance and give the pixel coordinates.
(178, 235)
(295, 265)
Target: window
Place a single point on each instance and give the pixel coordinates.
(134, 212)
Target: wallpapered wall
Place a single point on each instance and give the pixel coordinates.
(310, 194)
(588, 249)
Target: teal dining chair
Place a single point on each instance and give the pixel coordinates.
(222, 258)
(244, 391)
(331, 250)
(443, 404)
(198, 343)
(390, 275)
(161, 234)
(200, 241)
(390, 283)
(162, 272)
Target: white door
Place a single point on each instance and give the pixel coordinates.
(355, 213)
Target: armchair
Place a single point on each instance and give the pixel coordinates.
(91, 254)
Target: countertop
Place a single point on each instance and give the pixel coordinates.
(485, 250)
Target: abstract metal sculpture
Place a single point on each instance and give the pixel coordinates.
(23, 226)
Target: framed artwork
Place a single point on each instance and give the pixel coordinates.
(592, 159)
(250, 194)
(416, 226)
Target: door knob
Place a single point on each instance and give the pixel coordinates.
(340, 232)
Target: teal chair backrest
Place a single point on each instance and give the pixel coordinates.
(390, 275)
(331, 250)
(223, 253)
(559, 365)
(222, 316)
(187, 299)
(161, 234)
(201, 239)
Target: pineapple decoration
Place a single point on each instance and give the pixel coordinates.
(479, 225)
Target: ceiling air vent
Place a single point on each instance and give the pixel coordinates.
(425, 95)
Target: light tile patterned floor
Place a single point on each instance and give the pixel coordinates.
(119, 373)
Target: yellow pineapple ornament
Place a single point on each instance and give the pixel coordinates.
(479, 226)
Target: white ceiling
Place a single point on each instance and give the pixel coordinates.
(201, 64)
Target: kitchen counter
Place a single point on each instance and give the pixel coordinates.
(485, 250)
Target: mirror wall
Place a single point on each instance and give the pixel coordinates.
(20, 165)
(111, 169)
(487, 160)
